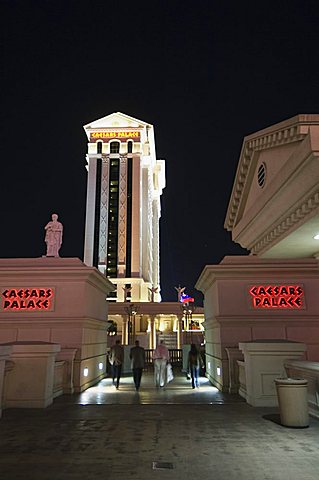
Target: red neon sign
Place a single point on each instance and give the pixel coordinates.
(31, 299)
(277, 296)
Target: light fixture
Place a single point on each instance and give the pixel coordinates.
(100, 366)
(85, 372)
(316, 237)
(218, 371)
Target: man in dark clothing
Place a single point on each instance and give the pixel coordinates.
(137, 356)
(116, 359)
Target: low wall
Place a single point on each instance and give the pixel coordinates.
(57, 301)
(29, 380)
(310, 372)
(264, 362)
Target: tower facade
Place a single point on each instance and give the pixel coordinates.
(125, 182)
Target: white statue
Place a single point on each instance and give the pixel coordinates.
(53, 236)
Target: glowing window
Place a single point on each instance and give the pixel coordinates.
(129, 147)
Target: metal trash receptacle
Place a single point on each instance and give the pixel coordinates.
(293, 401)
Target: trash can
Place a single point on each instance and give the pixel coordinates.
(293, 401)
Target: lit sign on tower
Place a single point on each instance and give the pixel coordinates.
(277, 296)
(111, 134)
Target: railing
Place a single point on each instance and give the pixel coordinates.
(175, 356)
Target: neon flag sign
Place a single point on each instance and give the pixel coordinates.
(277, 296)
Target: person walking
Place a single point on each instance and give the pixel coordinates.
(116, 359)
(195, 362)
(137, 356)
(160, 357)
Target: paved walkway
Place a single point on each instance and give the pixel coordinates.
(104, 433)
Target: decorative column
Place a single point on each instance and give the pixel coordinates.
(125, 331)
(152, 336)
(179, 331)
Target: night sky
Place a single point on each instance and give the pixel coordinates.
(204, 73)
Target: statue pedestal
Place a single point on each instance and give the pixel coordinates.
(58, 301)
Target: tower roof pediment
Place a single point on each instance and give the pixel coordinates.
(116, 120)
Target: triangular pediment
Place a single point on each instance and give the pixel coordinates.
(274, 146)
(276, 185)
(115, 120)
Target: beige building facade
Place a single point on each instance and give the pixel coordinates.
(274, 213)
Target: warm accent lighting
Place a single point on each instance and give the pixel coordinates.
(100, 366)
(85, 372)
(218, 371)
(316, 237)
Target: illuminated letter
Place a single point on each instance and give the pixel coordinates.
(253, 291)
(290, 301)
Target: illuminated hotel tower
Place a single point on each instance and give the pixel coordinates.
(125, 182)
